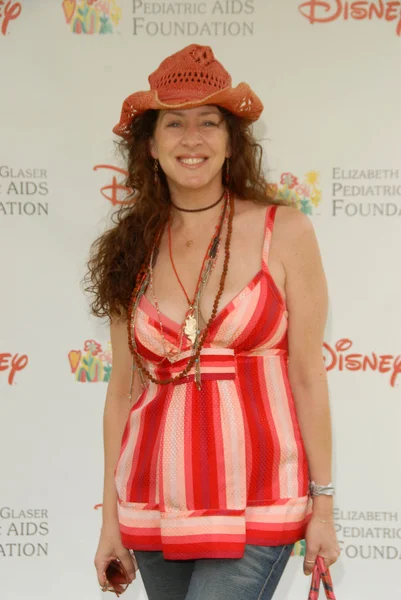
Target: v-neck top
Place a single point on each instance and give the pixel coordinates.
(203, 472)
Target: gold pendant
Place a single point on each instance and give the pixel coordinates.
(190, 328)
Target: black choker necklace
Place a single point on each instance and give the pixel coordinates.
(199, 209)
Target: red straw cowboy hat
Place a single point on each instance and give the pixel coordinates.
(191, 77)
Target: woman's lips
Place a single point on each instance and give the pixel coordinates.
(192, 163)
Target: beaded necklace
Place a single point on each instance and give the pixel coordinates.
(191, 328)
(142, 281)
(175, 354)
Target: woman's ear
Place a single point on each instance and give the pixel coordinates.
(152, 148)
(228, 149)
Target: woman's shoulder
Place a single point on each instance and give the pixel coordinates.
(291, 223)
(292, 230)
(288, 219)
(295, 238)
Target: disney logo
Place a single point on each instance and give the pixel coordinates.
(114, 187)
(13, 363)
(12, 10)
(336, 358)
(318, 11)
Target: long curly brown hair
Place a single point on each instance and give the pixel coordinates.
(117, 255)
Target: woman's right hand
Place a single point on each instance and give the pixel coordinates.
(110, 547)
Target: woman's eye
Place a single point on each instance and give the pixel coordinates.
(175, 124)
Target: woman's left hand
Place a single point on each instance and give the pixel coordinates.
(320, 540)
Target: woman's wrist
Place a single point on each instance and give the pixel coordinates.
(322, 507)
(110, 526)
(110, 518)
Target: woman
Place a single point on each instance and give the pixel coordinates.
(216, 423)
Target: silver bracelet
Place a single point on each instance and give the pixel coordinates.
(321, 490)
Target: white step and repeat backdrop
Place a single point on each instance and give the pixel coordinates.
(330, 78)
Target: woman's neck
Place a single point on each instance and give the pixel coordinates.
(195, 199)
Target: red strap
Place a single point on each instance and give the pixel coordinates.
(321, 573)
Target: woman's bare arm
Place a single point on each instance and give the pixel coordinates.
(116, 410)
(307, 301)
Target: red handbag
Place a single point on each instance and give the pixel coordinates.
(321, 573)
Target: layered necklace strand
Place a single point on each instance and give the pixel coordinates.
(191, 328)
(191, 322)
(193, 210)
(174, 354)
(142, 282)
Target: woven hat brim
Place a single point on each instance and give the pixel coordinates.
(240, 100)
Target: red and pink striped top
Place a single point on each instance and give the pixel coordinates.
(203, 472)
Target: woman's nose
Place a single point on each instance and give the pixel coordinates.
(191, 135)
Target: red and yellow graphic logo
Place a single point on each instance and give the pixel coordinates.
(12, 363)
(340, 359)
(317, 11)
(115, 192)
(304, 195)
(92, 16)
(9, 11)
(92, 364)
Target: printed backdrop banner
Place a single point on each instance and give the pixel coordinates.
(329, 76)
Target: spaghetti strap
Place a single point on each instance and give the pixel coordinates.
(269, 224)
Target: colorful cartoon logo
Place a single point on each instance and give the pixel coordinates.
(12, 363)
(317, 11)
(8, 12)
(340, 359)
(115, 192)
(92, 16)
(92, 364)
(305, 196)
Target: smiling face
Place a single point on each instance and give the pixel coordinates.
(191, 146)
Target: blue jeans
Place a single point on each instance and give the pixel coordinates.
(255, 576)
